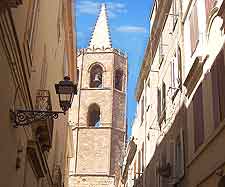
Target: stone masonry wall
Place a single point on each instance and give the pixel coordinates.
(93, 156)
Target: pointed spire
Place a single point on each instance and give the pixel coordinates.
(101, 34)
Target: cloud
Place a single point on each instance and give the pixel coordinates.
(92, 8)
(131, 29)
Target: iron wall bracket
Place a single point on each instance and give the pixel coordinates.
(27, 117)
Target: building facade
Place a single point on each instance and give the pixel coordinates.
(179, 123)
(99, 109)
(37, 44)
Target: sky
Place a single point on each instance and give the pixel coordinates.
(129, 28)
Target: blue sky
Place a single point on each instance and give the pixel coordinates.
(129, 27)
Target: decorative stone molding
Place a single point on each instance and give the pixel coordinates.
(44, 129)
(101, 50)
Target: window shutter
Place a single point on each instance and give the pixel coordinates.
(215, 95)
(164, 100)
(159, 103)
(221, 86)
(198, 117)
(142, 109)
(182, 153)
(194, 30)
(135, 170)
(176, 72)
(139, 163)
(208, 7)
(143, 157)
(172, 158)
(179, 64)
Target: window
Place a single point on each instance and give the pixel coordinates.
(179, 155)
(44, 70)
(135, 172)
(208, 6)
(159, 103)
(60, 19)
(161, 51)
(164, 97)
(163, 167)
(194, 30)
(96, 76)
(94, 116)
(142, 109)
(198, 117)
(143, 157)
(176, 72)
(139, 163)
(157, 176)
(175, 13)
(32, 21)
(119, 80)
(218, 89)
(78, 75)
(162, 104)
(65, 64)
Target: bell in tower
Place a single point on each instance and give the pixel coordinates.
(98, 80)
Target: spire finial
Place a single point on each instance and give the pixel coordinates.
(101, 34)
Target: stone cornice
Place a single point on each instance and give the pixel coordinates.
(101, 50)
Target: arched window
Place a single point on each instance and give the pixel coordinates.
(94, 115)
(119, 80)
(96, 76)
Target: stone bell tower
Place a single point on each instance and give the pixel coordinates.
(98, 114)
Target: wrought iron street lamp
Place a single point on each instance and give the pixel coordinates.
(66, 91)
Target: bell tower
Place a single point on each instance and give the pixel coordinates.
(98, 114)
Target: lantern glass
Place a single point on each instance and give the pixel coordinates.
(66, 90)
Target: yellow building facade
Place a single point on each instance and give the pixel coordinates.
(37, 46)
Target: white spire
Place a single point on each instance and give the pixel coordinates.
(101, 36)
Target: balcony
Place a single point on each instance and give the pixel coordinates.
(44, 129)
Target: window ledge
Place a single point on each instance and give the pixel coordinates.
(119, 91)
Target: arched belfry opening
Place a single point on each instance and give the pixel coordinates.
(96, 76)
(93, 117)
(119, 80)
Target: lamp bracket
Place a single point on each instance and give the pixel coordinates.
(27, 117)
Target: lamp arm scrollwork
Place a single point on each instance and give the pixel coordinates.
(27, 117)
